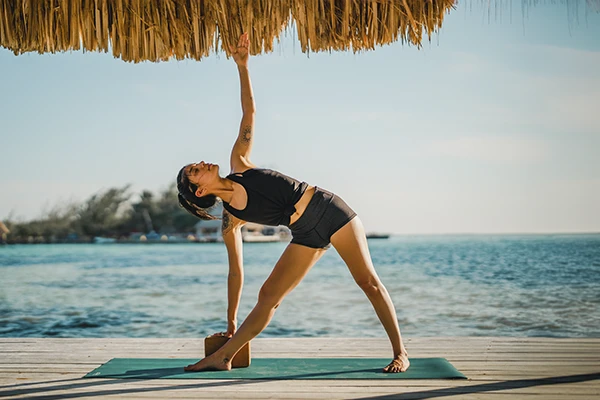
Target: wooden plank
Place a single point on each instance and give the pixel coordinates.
(470, 340)
(282, 347)
(8, 379)
(53, 380)
(232, 389)
(82, 355)
(462, 361)
(229, 390)
(170, 346)
(333, 396)
(167, 346)
(472, 375)
(523, 386)
(456, 360)
(371, 347)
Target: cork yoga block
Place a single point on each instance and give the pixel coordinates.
(215, 342)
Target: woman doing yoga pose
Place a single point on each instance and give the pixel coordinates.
(317, 219)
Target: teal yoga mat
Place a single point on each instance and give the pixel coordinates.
(277, 368)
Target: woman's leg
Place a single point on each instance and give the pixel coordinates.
(293, 265)
(351, 243)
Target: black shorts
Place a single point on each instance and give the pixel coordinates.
(325, 214)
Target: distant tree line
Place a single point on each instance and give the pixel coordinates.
(109, 213)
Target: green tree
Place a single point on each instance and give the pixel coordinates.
(54, 225)
(161, 213)
(58, 222)
(107, 213)
(102, 214)
(171, 216)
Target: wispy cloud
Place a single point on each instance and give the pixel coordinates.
(539, 88)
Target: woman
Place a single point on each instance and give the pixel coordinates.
(315, 216)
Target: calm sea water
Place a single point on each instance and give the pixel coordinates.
(441, 285)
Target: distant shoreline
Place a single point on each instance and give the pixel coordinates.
(391, 236)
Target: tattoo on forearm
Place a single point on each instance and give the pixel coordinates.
(246, 135)
(226, 224)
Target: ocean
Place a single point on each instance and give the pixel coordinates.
(446, 285)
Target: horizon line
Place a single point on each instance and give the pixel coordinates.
(490, 233)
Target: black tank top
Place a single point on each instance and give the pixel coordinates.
(271, 196)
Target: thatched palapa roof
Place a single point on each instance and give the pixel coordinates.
(157, 30)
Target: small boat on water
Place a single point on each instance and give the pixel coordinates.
(104, 240)
(256, 233)
(378, 235)
(261, 238)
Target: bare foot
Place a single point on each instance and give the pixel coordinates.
(214, 362)
(399, 364)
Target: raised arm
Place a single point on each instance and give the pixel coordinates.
(240, 154)
(232, 236)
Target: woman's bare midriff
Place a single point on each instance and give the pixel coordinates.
(302, 204)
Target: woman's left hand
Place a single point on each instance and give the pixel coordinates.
(240, 54)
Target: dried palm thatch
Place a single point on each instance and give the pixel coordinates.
(157, 30)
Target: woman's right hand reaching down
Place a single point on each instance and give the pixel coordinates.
(231, 328)
(240, 53)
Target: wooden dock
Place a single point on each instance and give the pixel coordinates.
(497, 367)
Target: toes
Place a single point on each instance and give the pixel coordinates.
(389, 368)
(395, 367)
(190, 368)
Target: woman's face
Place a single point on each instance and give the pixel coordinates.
(202, 174)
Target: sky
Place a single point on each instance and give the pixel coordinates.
(492, 127)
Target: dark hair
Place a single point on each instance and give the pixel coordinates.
(197, 206)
